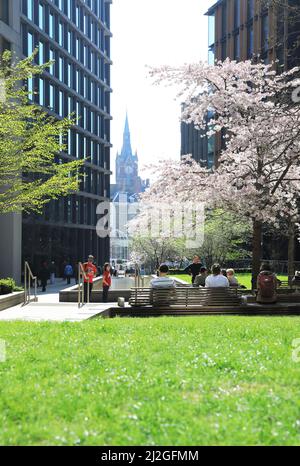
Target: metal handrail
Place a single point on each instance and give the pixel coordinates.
(28, 276)
(81, 276)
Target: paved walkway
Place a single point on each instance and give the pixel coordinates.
(48, 308)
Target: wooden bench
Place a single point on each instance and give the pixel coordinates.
(184, 298)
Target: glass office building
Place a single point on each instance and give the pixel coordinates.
(76, 35)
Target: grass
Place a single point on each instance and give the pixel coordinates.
(243, 278)
(168, 381)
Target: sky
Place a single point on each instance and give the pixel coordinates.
(152, 33)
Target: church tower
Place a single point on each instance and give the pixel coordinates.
(127, 177)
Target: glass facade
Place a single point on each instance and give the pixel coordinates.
(4, 11)
(75, 35)
(250, 8)
(237, 13)
(264, 33)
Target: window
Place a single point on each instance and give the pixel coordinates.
(4, 12)
(60, 34)
(41, 16)
(250, 9)
(70, 9)
(211, 30)
(30, 88)
(30, 43)
(92, 122)
(224, 50)
(69, 41)
(250, 41)
(70, 109)
(85, 23)
(77, 80)
(78, 146)
(224, 19)
(85, 118)
(92, 92)
(69, 142)
(41, 92)
(264, 33)
(237, 13)
(30, 10)
(51, 58)
(69, 74)
(85, 55)
(77, 49)
(77, 113)
(237, 47)
(51, 97)
(84, 87)
(61, 104)
(41, 53)
(51, 25)
(61, 69)
(77, 17)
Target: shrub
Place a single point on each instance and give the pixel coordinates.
(8, 285)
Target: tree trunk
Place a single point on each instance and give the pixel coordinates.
(291, 253)
(256, 251)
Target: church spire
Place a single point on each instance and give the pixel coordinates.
(126, 149)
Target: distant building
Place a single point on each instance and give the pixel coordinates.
(127, 168)
(124, 197)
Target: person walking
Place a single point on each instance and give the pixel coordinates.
(106, 281)
(52, 273)
(90, 272)
(68, 273)
(44, 276)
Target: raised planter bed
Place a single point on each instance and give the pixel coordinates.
(10, 300)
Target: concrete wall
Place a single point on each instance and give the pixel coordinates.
(11, 246)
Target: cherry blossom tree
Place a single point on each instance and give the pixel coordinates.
(257, 174)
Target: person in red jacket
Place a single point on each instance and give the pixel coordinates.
(90, 271)
(106, 281)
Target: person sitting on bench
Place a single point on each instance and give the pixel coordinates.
(163, 281)
(200, 279)
(231, 278)
(216, 279)
(163, 291)
(267, 283)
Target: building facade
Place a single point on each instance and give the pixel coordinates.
(75, 35)
(242, 30)
(255, 29)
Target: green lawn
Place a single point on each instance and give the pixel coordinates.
(243, 278)
(168, 381)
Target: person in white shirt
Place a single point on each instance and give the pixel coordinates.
(163, 281)
(216, 279)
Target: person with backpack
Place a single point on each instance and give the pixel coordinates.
(266, 285)
(68, 272)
